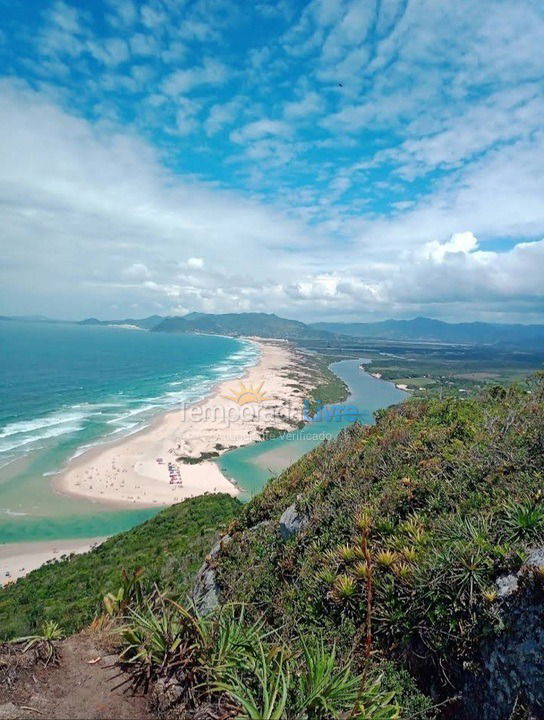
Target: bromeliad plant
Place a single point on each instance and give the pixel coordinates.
(524, 521)
(160, 639)
(45, 644)
(225, 657)
(129, 591)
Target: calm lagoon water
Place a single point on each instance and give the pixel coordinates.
(66, 387)
(253, 465)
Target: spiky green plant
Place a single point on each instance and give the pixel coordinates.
(375, 704)
(349, 553)
(344, 588)
(524, 521)
(228, 637)
(259, 683)
(403, 570)
(360, 571)
(159, 636)
(323, 689)
(330, 556)
(129, 591)
(409, 553)
(466, 529)
(268, 681)
(386, 558)
(44, 643)
(464, 569)
(363, 520)
(327, 575)
(489, 595)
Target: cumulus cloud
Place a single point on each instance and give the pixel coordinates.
(97, 200)
(382, 157)
(115, 223)
(260, 129)
(137, 271)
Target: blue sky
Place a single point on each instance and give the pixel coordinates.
(320, 159)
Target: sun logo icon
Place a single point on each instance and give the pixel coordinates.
(247, 394)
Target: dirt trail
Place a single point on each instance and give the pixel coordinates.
(73, 690)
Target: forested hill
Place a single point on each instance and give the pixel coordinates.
(257, 324)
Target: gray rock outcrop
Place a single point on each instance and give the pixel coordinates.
(205, 593)
(512, 662)
(291, 522)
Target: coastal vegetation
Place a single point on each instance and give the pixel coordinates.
(407, 527)
(170, 547)
(374, 578)
(329, 389)
(264, 325)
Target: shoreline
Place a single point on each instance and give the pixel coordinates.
(19, 559)
(137, 470)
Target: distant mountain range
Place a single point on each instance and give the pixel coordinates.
(419, 329)
(423, 329)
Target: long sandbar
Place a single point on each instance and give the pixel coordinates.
(143, 470)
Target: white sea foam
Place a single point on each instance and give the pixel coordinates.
(28, 426)
(64, 429)
(126, 414)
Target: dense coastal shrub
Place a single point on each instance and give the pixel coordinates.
(403, 529)
(169, 547)
(452, 492)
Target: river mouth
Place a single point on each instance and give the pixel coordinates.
(251, 467)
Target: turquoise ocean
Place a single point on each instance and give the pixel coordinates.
(66, 387)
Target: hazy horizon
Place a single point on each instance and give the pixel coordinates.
(340, 320)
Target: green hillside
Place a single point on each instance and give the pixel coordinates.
(446, 496)
(170, 547)
(254, 324)
(407, 554)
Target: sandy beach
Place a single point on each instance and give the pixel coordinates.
(145, 468)
(18, 559)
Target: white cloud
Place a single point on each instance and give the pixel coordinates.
(141, 44)
(221, 115)
(186, 115)
(137, 271)
(152, 18)
(464, 242)
(260, 129)
(308, 105)
(100, 201)
(195, 262)
(383, 193)
(111, 51)
(211, 72)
